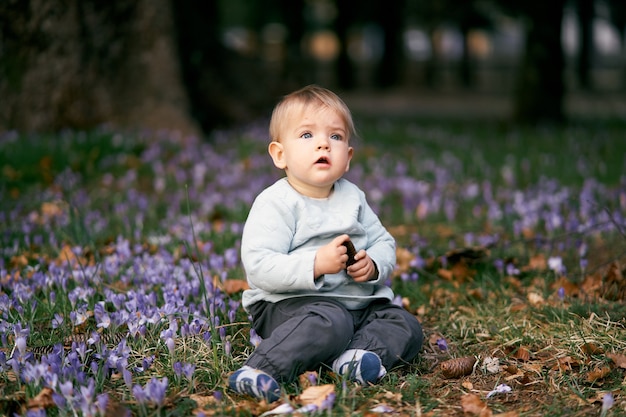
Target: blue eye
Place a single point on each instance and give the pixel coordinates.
(306, 135)
(336, 137)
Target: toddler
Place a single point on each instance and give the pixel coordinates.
(308, 303)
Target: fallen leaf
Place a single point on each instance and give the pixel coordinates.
(614, 284)
(473, 405)
(619, 359)
(203, 400)
(445, 274)
(592, 285)
(598, 373)
(382, 409)
(565, 363)
(42, 400)
(232, 286)
(569, 288)
(308, 379)
(491, 365)
(536, 263)
(318, 395)
(592, 349)
(535, 299)
(403, 259)
(521, 353)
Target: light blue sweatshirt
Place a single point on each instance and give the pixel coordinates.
(285, 229)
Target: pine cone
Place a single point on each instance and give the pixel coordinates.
(351, 252)
(458, 367)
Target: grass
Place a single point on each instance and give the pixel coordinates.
(510, 251)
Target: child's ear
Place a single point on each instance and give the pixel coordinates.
(350, 153)
(278, 155)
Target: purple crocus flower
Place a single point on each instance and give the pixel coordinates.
(442, 344)
(155, 390)
(255, 339)
(139, 394)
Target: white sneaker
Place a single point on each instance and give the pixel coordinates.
(359, 365)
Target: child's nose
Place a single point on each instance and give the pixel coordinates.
(323, 143)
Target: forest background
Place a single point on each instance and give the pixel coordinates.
(197, 65)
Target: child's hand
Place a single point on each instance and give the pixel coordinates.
(332, 257)
(363, 268)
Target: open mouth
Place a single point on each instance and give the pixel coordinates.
(323, 160)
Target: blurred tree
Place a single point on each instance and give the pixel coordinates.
(430, 15)
(390, 19)
(540, 86)
(81, 63)
(225, 87)
(346, 16)
(585, 13)
(618, 17)
(466, 15)
(295, 68)
(469, 15)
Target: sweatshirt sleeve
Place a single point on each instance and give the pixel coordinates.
(266, 249)
(381, 246)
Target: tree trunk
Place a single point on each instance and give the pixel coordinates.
(540, 86)
(82, 63)
(585, 20)
(391, 18)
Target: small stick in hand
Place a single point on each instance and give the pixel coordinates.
(351, 252)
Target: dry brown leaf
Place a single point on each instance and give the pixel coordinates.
(614, 284)
(565, 364)
(457, 367)
(394, 397)
(590, 349)
(598, 373)
(53, 209)
(521, 354)
(536, 263)
(473, 405)
(570, 289)
(232, 286)
(441, 296)
(308, 379)
(203, 400)
(461, 272)
(619, 359)
(432, 339)
(517, 306)
(533, 367)
(316, 395)
(476, 294)
(403, 259)
(444, 230)
(591, 285)
(445, 274)
(535, 299)
(42, 400)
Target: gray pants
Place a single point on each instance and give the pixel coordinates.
(300, 334)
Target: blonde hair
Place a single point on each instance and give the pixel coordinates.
(299, 100)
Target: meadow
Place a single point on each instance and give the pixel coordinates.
(120, 276)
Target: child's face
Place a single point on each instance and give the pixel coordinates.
(313, 150)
